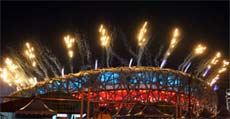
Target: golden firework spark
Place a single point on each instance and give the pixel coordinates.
(200, 49)
(173, 42)
(142, 41)
(104, 36)
(69, 42)
(222, 69)
(30, 54)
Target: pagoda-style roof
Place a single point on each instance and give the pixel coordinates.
(14, 105)
(35, 107)
(58, 101)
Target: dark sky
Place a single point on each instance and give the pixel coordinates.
(48, 22)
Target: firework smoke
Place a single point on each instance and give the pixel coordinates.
(121, 60)
(44, 58)
(83, 49)
(108, 52)
(158, 55)
(126, 44)
(139, 56)
(47, 61)
(148, 57)
(39, 66)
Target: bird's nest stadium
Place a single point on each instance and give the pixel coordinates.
(128, 88)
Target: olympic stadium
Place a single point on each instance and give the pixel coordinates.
(44, 87)
(127, 91)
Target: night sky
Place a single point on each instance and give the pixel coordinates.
(48, 22)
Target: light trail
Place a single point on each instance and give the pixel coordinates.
(130, 62)
(14, 75)
(199, 49)
(69, 43)
(142, 39)
(214, 77)
(30, 54)
(105, 42)
(212, 63)
(175, 40)
(96, 64)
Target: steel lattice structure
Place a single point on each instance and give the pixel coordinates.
(124, 86)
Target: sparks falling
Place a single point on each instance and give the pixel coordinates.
(13, 74)
(69, 42)
(212, 63)
(105, 42)
(143, 39)
(215, 76)
(104, 38)
(37, 64)
(199, 49)
(40, 63)
(30, 54)
(173, 43)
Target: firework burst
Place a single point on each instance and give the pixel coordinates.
(40, 63)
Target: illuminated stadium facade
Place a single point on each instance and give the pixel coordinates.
(123, 87)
